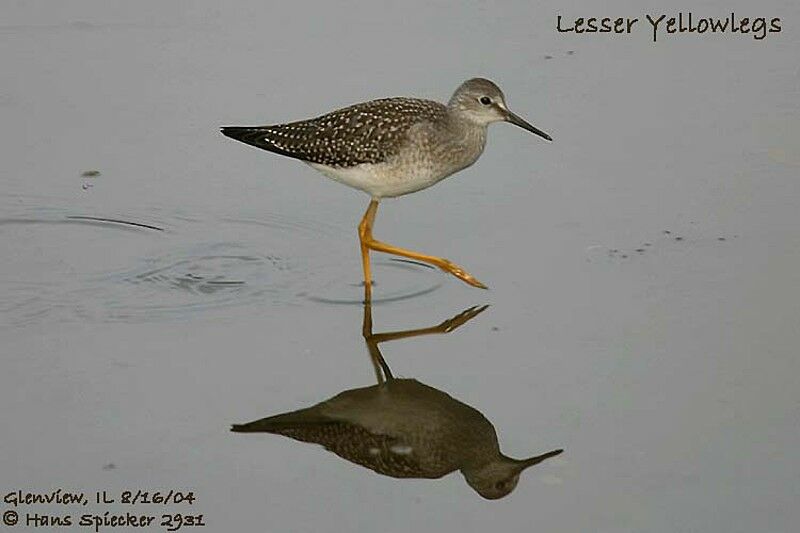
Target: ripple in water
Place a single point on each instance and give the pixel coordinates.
(197, 276)
(69, 266)
(394, 279)
(211, 279)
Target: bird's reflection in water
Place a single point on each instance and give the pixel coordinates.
(403, 428)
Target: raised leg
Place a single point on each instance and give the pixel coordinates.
(369, 243)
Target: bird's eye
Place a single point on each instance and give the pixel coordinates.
(485, 100)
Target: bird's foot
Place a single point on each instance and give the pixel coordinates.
(461, 274)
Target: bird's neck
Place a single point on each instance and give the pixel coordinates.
(470, 136)
(481, 465)
(481, 453)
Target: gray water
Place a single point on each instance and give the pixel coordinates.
(644, 268)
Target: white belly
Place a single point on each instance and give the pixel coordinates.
(381, 180)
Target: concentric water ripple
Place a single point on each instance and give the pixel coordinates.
(67, 266)
(394, 279)
(206, 277)
(152, 266)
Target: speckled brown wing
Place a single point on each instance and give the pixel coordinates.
(369, 132)
(382, 453)
(385, 453)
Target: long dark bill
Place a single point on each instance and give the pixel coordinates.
(524, 124)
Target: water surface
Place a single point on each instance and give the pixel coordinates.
(643, 268)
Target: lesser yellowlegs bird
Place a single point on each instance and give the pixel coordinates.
(403, 428)
(391, 147)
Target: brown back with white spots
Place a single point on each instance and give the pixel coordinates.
(369, 132)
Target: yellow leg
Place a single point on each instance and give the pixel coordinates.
(369, 243)
(364, 233)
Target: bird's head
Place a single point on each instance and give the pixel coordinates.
(499, 477)
(481, 101)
